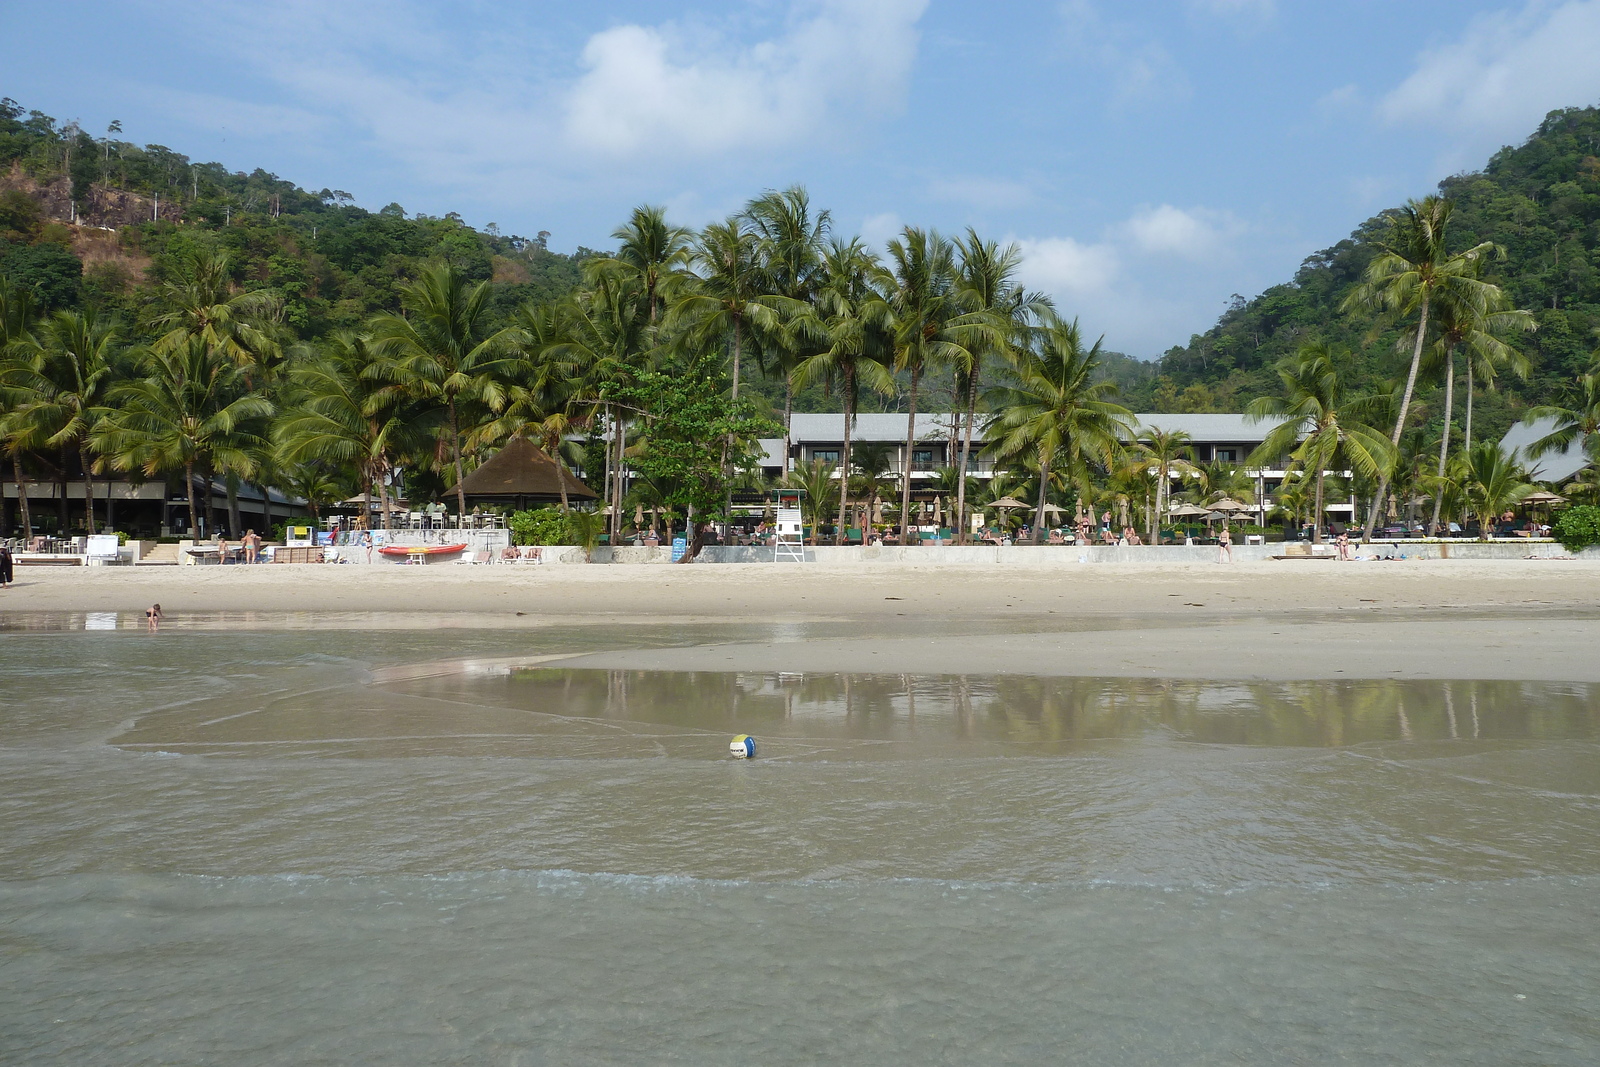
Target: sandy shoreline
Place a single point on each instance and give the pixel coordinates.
(1515, 619)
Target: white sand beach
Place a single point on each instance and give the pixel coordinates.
(1533, 619)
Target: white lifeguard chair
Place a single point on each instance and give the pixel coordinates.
(790, 543)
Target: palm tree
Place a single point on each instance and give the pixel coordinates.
(988, 279)
(64, 389)
(1170, 453)
(1491, 481)
(186, 410)
(1578, 422)
(653, 253)
(932, 323)
(343, 417)
(1318, 424)
(201, 303)
(18, 314)
(1415, 268)
(848, 326)
(793, 242)
(871, 463)
(1058, 412)
(1471, 320)
(442, 352)
(815, 481)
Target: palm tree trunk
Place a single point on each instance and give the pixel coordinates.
(1400, 422)
(1044, 490)
(905, 475)
(194, 514)
(614, 525)
(461, 472)
(966, 453)
(88, 486)
(844, 457)
(1444, 441)
(235, 527)
(788, 419)
(211, 503)
(1466, 441)
(22, 494)
(1316, 517)
(383, 493)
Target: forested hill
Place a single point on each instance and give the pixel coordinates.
(1540, 201)
(333, 263)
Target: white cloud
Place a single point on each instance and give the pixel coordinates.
(1505, 73)
(1066, 267)
(653, 89)
(1195, 234)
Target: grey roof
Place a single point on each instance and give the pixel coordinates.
(1212, 428)
(878, 426)
(935, 426)
(1552, 466)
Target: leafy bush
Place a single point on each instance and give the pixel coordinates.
(1578, 528)
(542, 526)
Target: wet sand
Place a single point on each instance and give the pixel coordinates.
(1523, 619)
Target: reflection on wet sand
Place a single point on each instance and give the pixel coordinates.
(494, 709)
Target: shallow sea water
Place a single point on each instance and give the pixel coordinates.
(287, 845)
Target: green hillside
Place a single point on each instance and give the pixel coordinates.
(333, 264)
(1539, 200)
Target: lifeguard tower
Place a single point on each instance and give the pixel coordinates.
(790, 544)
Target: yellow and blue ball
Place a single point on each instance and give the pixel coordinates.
(742, 747)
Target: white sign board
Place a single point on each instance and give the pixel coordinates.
(102, 546)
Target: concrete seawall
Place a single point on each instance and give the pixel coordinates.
(1051, 556)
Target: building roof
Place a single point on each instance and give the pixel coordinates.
(1552, 466)
(522, 472)
(828, 427)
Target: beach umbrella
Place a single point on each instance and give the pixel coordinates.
(638, 514)
(1229, 504)
(1544, 496)
(1007, 502)
(1052, 509)
(1186, 511)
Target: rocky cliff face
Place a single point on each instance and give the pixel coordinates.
(103, 207)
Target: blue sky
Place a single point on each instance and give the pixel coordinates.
(1151, 158)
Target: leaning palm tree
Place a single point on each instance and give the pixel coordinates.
(65, 391)
(1414, 269)
(1491, 481)
(1317, 423)
(443, 353)
(185, 410)
(1058, 412)
(1471, 321)
(848, 326)
(933, 323)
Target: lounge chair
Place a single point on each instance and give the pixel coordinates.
(532, 554)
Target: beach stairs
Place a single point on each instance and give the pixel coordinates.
(159, 556)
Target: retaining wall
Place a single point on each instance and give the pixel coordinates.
(1066, 555)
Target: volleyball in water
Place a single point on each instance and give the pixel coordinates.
(742, 747)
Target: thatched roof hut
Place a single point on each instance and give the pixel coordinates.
(520, 475)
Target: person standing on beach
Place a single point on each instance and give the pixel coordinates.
(152, 617)
(6, 564)
(1225, 546)
(1343, 541)
(252, 546)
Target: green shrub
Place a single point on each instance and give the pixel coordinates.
(542, 526)
(1578, 528)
